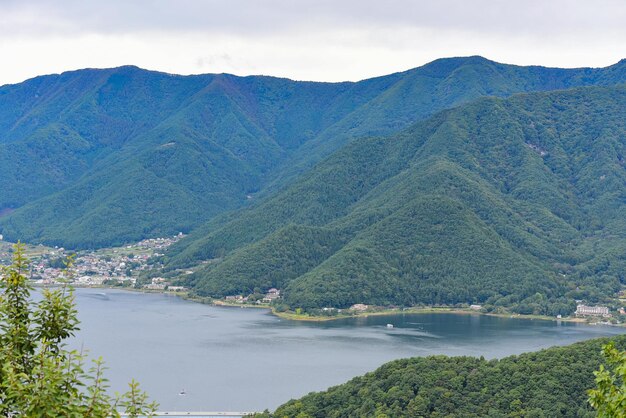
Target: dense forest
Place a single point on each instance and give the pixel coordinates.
(551, 383)
(95, 158)
(512, 203)
(407, 189)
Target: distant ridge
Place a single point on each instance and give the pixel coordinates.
(93, 158)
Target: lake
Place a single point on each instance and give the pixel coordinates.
(234, 359)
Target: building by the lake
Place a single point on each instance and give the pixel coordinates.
(584, 310)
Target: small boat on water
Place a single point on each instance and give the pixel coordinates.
(182, 393)
(389, 325)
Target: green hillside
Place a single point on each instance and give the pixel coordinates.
(515, 202)
(419, 93)
(101, 157)
(550, 383)
(143, 153)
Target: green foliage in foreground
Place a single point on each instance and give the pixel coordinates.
(39, 377)
(551, 383)
(609, 397)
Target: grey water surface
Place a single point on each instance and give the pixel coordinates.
(234, 359)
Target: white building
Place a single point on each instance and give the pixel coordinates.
(584, 310)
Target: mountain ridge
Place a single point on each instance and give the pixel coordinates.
(493, 202)
(199, 145)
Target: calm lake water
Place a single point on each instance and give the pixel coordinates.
(233, 359)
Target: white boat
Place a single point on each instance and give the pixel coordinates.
(389, 325)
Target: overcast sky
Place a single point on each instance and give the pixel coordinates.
(326, 40)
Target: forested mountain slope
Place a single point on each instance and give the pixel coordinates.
(550, 383)
(441, 84)
(129, 153)
(99, 157)
(517, 202)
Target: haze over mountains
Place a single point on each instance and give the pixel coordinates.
(366, 192)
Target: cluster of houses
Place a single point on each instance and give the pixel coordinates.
(159, 243)
(95, 268)
(270, 296)
(160, 283)
(90, 269)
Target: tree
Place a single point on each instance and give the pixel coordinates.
(609, 396)
(39, 376)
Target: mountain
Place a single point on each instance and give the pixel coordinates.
(517, 202)
(444, 83)
(100, 157)
(93, 158)
(549, 383)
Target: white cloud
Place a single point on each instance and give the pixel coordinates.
(318, 40)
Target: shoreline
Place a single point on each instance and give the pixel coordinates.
(427, 310)
(291, 316)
